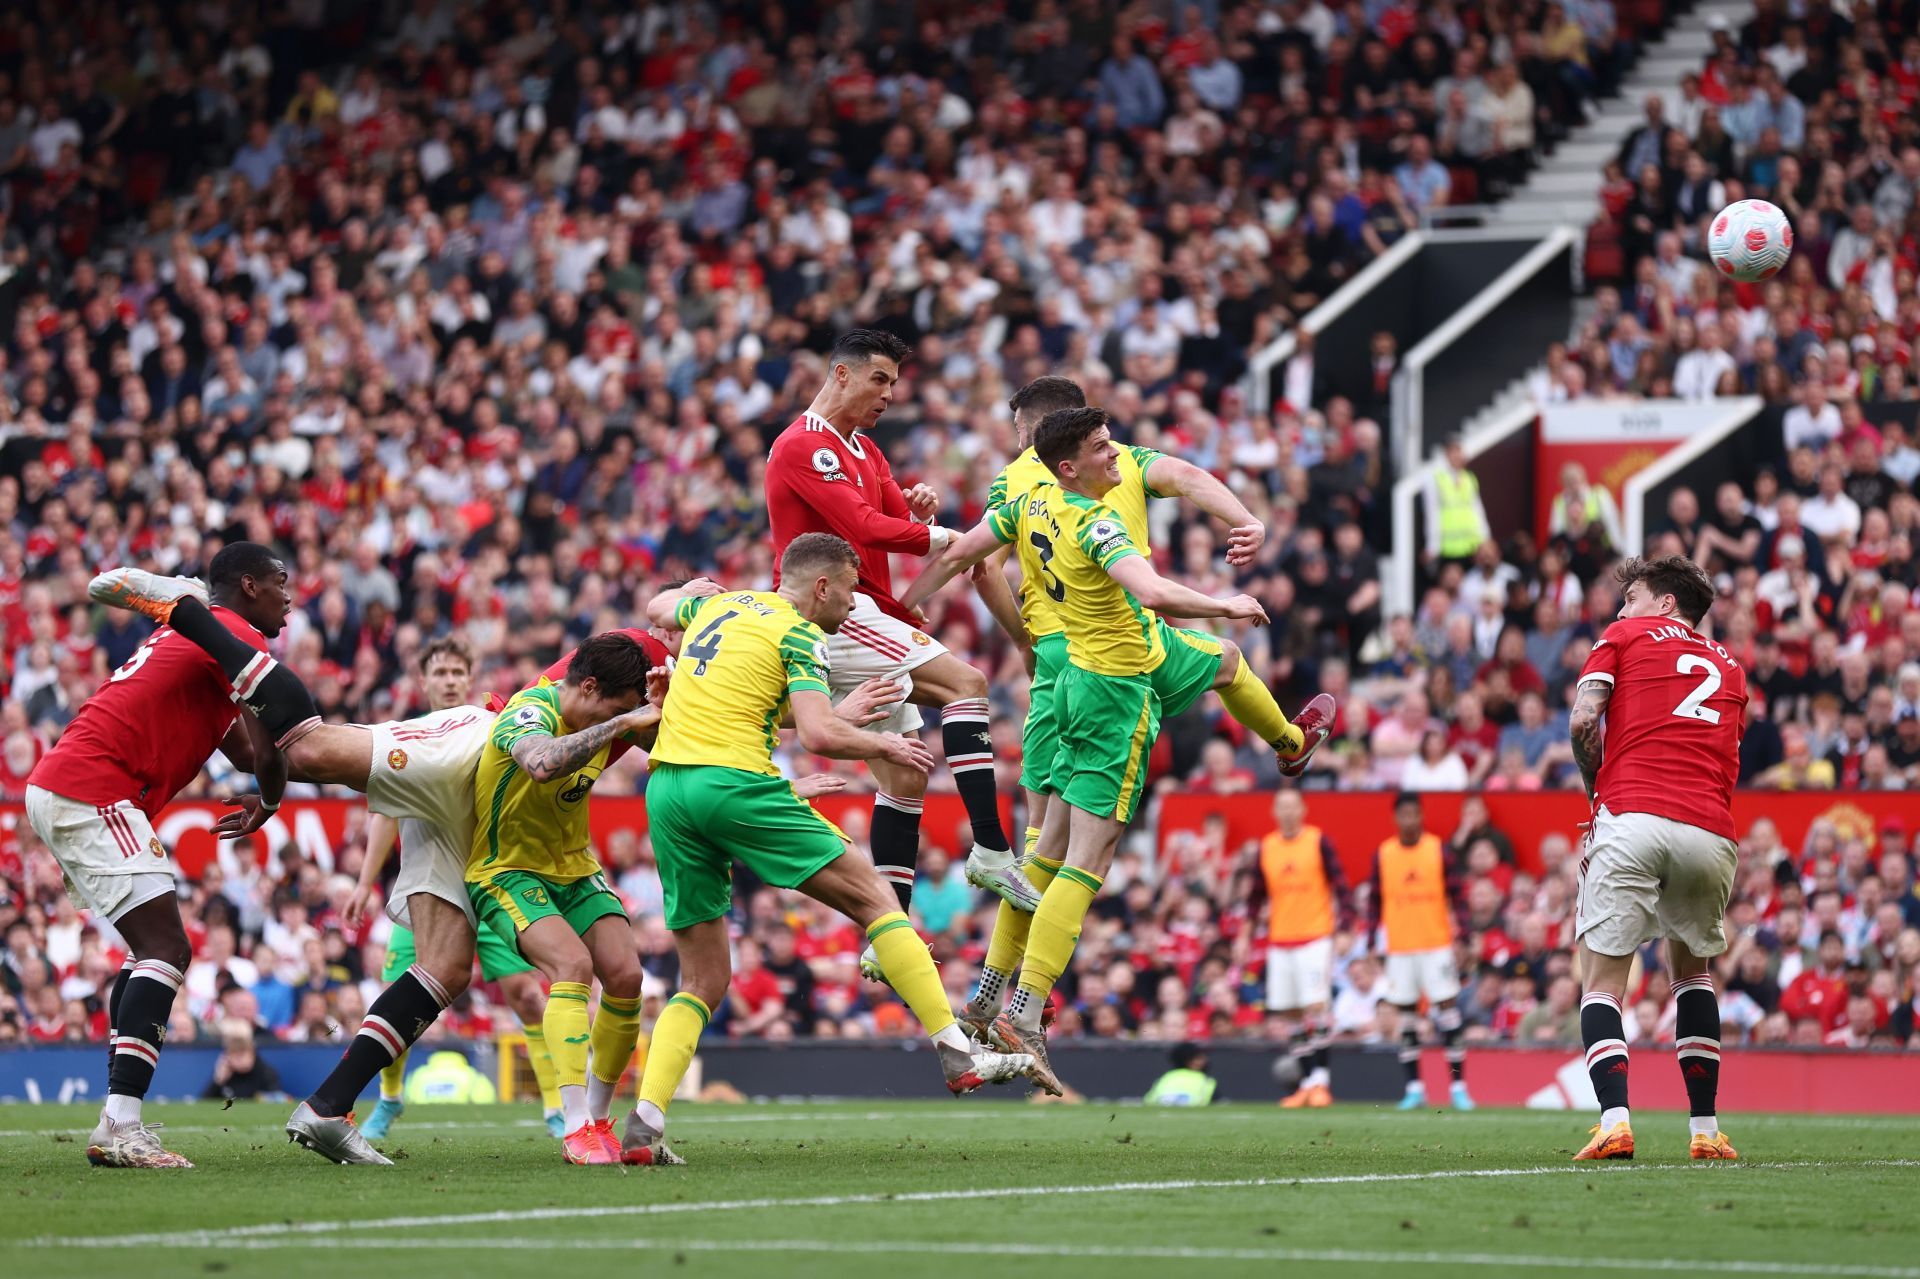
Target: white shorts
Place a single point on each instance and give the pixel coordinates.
(1413, 973)
(1646, 877)
(1299, 976)
(872, 644)
(112, 860)
(422, 776)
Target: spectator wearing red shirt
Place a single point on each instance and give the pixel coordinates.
(1820, 993)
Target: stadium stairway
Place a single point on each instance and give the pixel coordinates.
(1565, 189)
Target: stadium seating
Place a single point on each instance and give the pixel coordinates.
(488, 324)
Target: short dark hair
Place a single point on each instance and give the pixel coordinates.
(446, 646)
(1674, 575)
(1046, 395)
(1406, 799)
(239, 560)
(858, 346)
(616, 661)
(1062, 432)
(812, 554)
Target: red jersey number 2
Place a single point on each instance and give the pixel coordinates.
(1693, 705)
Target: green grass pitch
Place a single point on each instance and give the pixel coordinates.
(1003, 1189)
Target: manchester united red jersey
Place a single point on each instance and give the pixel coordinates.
(146, 732)
(1674, 722)
(656, 656)
(819, 481)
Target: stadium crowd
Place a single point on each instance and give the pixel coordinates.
(488, 330)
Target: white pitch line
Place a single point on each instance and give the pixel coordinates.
(1149, 1253)
(284, 1229)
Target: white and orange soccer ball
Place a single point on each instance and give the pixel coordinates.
(1750, 240)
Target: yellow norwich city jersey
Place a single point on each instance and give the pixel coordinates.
(743, 655)
(521, 824)
(1067, 543)
(1128, 500)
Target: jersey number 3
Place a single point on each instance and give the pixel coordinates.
(1693, 705)
(706, 645)
(1055, 588)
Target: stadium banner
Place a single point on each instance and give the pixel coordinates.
(1810, 1081)
(1612, 439)
(1191, 826)
(1194, 825)
(1797, 1081)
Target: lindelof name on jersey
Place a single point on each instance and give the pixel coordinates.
(1661, 634)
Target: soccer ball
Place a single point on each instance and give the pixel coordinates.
(1750, 240)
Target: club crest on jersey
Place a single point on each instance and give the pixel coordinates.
(157, 849)
(396, 759)
(827, 462)
(537, 896)
(919, 639)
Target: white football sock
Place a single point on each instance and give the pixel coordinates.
(1612, 1115)
(573, 1104)
(122, 1109)
(1703, 1125)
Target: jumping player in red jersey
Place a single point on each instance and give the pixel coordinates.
(143, 735)
(825, 476)
(420, 770)
(1660, 855)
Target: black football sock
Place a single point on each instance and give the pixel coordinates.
(401, 1015)
(1409, 1046)
(1696, 1031)
(118, 993)
(895, 836)
(1605, 1038)
(140, 1026)
(273, 693)
(1447, 1021)
(969, 746)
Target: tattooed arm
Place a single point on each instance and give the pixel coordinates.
(1584, 729)
(545, 757)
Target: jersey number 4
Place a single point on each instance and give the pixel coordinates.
(1055, 588)
(706, 645)
(1693, 706)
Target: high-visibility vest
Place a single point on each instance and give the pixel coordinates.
(1459, 513)
(447, 1076)
(1180, 1088)
(1300, 900)
(1592, 504)
(1413, 896)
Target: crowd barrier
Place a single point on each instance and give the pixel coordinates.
(1810, 1081)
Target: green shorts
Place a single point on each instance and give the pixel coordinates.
(508, 902)
(1107, 727)
(1192, 665)
(705, 817)
(498, 958)
(1040, 736)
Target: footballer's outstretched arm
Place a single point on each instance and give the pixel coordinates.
(544, 757)
(1157, 593)
(660, 609)
(1583, 727)
(1177, 477)
(969, 549)
(990, 579)
(822, 732)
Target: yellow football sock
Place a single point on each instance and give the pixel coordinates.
(616, 1029)
(1033, 839)
(675, 1035)
(1056, 929)
(393, 1078)
(567, 1033)
(542, 1062)
(1250, 701)
(908, 964)
(1010, 926)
